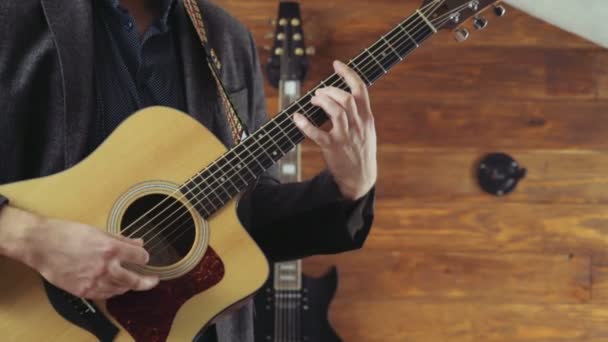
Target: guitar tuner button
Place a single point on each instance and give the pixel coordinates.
(480, 23)
(461, 34)
(500, 10)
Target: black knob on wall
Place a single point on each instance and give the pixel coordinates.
(498, 174)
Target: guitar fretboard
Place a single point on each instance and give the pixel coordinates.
(229, 175)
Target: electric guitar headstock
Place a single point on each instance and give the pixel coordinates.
(289, 55)
(452, 14)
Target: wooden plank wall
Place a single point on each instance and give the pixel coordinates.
(444, 261)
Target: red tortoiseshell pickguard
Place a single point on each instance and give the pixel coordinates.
(148, 316)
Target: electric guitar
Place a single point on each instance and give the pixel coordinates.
(182, 202)
(291, 306)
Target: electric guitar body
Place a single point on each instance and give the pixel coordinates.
(145, 159)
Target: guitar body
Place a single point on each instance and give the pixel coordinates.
(154, 150)
(309, 323)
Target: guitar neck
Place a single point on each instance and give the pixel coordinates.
(232, 173)
(288, 275)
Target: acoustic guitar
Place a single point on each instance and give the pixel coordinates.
(292, 306)
(182, 202)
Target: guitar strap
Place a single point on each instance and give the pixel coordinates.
(237, 127)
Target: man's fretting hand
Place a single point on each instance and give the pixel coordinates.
(80, 259)
(349, 148)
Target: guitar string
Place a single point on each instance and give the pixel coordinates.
(246, 182)
(200, 200)
(271, 121)
(248, 161)
(213, 174)
(177, 229)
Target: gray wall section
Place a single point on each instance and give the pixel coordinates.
(586, 18)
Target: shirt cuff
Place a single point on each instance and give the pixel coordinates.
(358, 212)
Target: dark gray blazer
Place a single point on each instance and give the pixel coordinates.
(47, 115)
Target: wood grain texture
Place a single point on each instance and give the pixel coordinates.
(444, 261)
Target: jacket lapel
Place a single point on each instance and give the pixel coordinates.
(71, 23)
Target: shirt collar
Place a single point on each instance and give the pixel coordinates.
(166, 9)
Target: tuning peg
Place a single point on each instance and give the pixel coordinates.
(500, 10)
(480, 23)
(269, 35)
(311, 51)
(266, 48)
(272, 22)
(461, 34)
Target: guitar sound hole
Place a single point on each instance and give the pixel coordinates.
(165, 225)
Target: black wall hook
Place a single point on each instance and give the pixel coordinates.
(498, 174)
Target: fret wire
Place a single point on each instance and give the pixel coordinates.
(269, 137)
(254, 138)
(203, 205)
(211, 193)
(285, 134)
(382, 52)
(228, 178)
(236, 170)
(356, 68)
(392, 48)
(200, 204)
(218, 183)
(240, 166)
(246, 147)
(409, 35)
(375, 60)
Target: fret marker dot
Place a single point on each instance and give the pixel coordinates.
(274, 153)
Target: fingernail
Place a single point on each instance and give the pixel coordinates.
(151, 282)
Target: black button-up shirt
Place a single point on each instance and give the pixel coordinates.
(133, 71)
